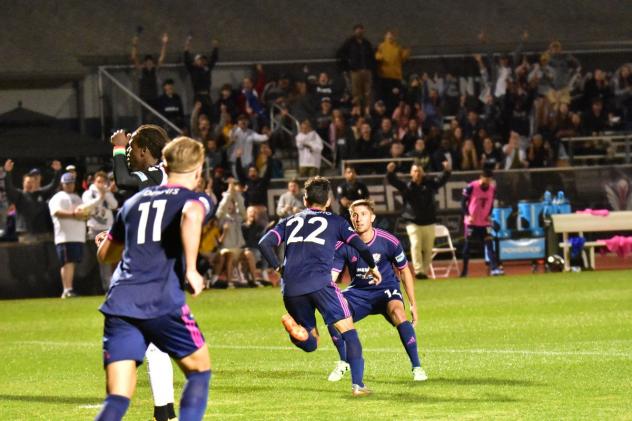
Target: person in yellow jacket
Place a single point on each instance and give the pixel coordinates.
(390, 57)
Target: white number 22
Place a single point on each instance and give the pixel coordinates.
(159, 205)
(313, 237)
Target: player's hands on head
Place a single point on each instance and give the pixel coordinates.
(377, 276)
(194, 282)
(119, 138)
(8, 165)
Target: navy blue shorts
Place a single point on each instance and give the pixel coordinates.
(364, 302)
(125, 338)
(69, 252)
(329, 302)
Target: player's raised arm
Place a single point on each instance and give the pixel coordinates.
(190, 233)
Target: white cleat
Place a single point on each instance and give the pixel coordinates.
(339, 371)
(419, 375)
(359, 391)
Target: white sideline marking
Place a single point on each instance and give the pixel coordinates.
(383, 350)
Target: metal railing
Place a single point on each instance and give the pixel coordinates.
(278, 113)
(612, 143)
(104, 73)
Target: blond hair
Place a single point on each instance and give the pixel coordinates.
(362, 202)
(183, 155)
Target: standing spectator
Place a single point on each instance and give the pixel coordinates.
(33, 222)
(323, 118)
(477, 204)
(101, 203)
(200, 124)
(390, 57)
(252, 232)
(310, 147)
(365, 147)
(200, 69)
(242, 139)
(230, 214)
(265, 159)
(248, 101)
(169, 105)
(323, 89)
(350, 191)
(622, 83)
(419, 212)
(291, 201)
(69, 220)
(147, 74)
(514, 156)
(356, 56)
(226, 103)
(214, 156)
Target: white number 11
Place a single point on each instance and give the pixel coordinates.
(159, 205)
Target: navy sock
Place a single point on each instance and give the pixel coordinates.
(113, 409)
(308, 345)
(195, 396)
(489, 246)
(409, 340)
(354, 356)
(339, 343)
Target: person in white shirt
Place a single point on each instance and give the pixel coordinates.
(310, 146)
(100, 202)
(69, 221)
(515, 156)
(291, 201)
(242, 138)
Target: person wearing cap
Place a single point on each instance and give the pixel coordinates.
(33, 223)
(200, 68)
(69, 220)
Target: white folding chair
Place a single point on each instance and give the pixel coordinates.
(443, 246)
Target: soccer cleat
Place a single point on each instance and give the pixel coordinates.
(358, 391)
(341, 368)
(295, 330)
(419, 375)
(68, 294)
(497, 272)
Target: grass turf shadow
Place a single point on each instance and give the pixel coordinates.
(53, 399)
(487, 381)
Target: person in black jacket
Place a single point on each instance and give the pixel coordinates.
(357, 56)
(33, 222)
(200, 68)
(419, 211)
(169, 105)
(255, 187)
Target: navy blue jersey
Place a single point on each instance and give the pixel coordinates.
(386, 250)
(149, 279)
(310, 239)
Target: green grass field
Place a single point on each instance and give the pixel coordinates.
(531, 347)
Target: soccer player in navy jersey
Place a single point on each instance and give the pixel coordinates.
(136, 166)
(156, 237)
(364, 298)
(310, 238)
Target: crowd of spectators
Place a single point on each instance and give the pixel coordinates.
(372, 109)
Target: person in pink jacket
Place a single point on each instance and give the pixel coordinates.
(477, 204)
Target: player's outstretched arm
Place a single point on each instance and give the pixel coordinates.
(190, 233)
(366, 255)
(409, 287)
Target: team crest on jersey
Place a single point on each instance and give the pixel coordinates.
(350, 229)
(354, 259)
(376, 257)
